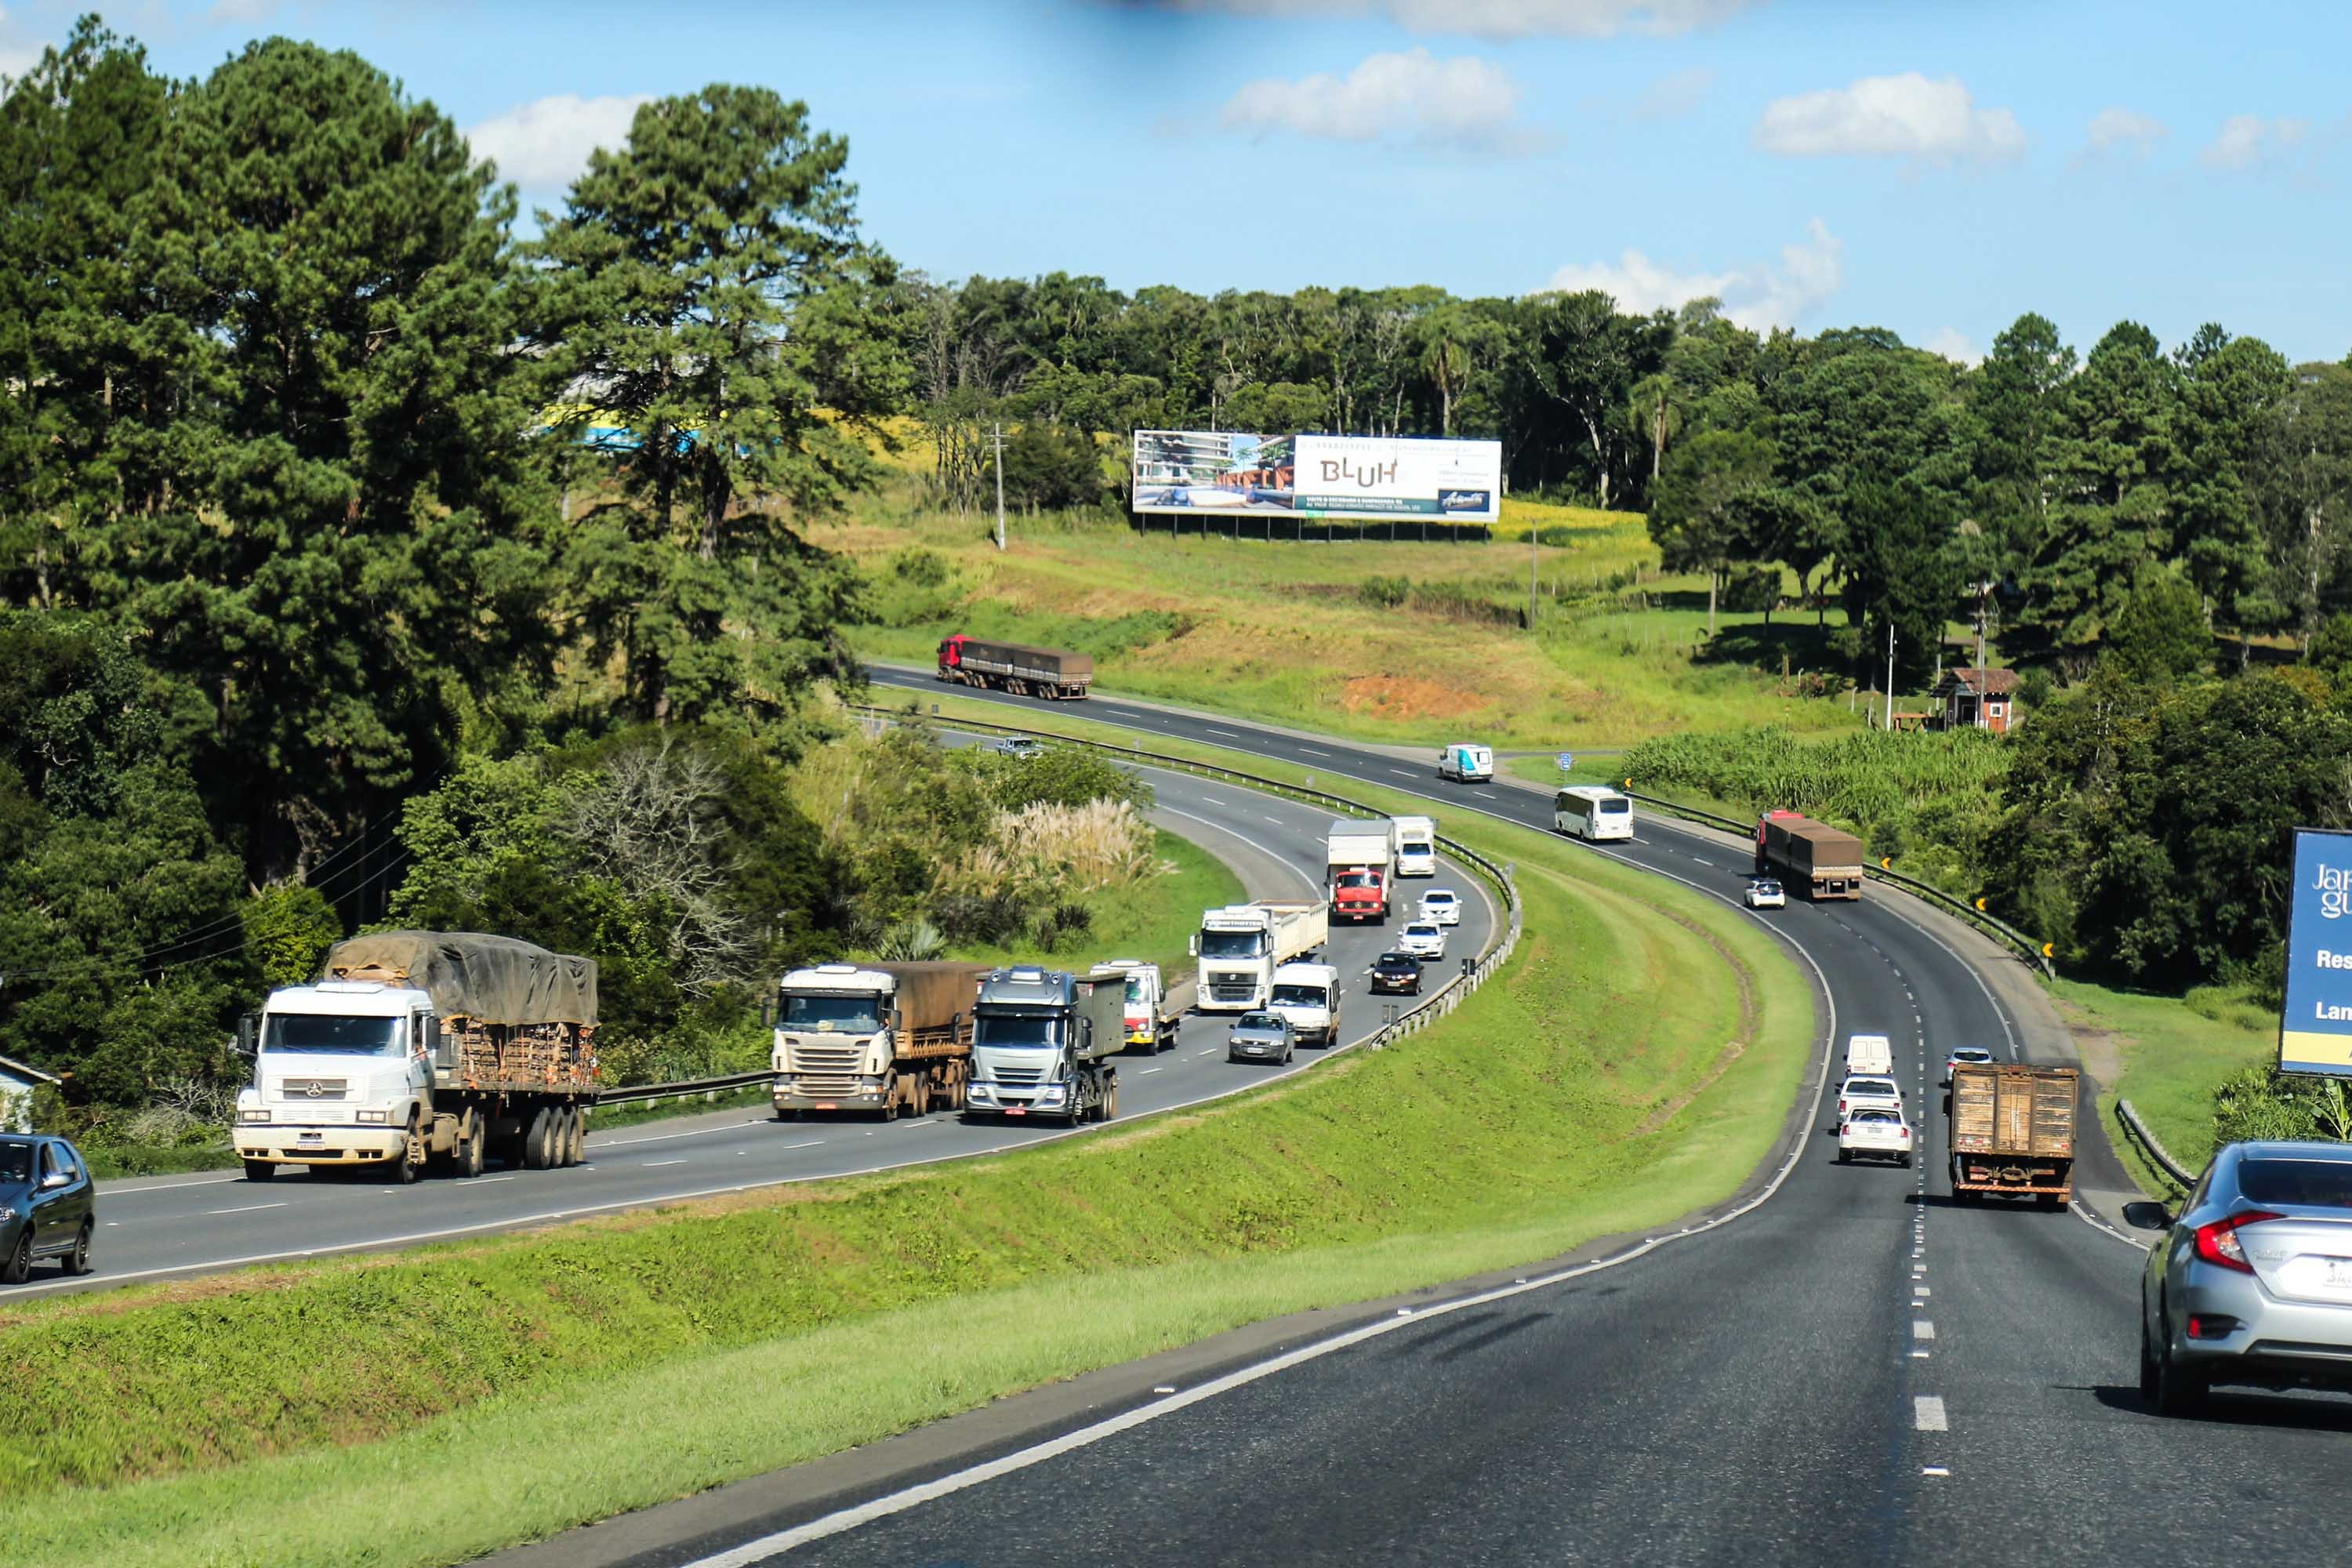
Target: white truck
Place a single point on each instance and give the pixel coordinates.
(415, 1047)
(1308, 996)
(1241, 946)
(1416, 844)
(1151, 1022)
(1359, 860)
(1466, 764)
(880, 1037)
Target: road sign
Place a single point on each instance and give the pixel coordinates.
(1566, 761)
(2315, 1025)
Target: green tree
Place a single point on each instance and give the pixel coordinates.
(2160, 633)
(1902, 570)
(1700, 516)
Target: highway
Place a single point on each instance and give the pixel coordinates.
(166, 1227)
(1856, 1369)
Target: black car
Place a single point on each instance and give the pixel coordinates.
(1397, 972)
(48, 1207)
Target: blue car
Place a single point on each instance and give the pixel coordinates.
(48, 1206)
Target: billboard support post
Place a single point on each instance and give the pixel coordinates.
(2315, 1018)
(1000, 485)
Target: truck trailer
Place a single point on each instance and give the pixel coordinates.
(1810, 857)
(1049, 672)
(1042, 1041)
(1241, 945)
(1360, 857)
(416, 1047)
(880, 1037)
(2012, 1131)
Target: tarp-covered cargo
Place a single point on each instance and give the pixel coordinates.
(488, 979)
(1015, 666)
(931, 995)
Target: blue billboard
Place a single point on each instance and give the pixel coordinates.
(2315, 1031)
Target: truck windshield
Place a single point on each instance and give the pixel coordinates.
(1135, 991)
(1359, 880)
(1232, 944)
(1298, 996)
(323, 1032)
(1016, 1032)
(857, 1014)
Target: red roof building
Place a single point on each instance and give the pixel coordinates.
(1979, 699)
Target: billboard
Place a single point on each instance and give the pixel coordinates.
(1373, 478)
(2316, 1030)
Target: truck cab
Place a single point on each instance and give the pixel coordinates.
(1307, 995)
(1466, 764)
(1151, 1025)
(1416, 845)
(833, 1039)
(1039, 1037)
(344, 1073)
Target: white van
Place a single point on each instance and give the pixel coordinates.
(1869, 1053)
(1466, 764)
(1307, 995)
(1416, 845)
(1592, 811)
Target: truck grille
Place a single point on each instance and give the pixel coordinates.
(833, 1086)
(313, 1088)
(844, 1056)
(1020, 1075)
(1232, 989)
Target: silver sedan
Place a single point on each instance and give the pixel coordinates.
(1259, 1037)
(2252, 1283)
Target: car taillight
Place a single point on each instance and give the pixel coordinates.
(1841, 1107)
(2218, 1243)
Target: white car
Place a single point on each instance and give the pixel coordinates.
(1861, 1093)
(1874, 1133)
(1764, 894)
(1425, 939)
(1442, 906)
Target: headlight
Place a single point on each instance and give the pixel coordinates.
(371, 1116)
(1050, 1096)
(252, 1113)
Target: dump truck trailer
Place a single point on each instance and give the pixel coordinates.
(2012, 1131)
(1049, 672)
(1810, 857)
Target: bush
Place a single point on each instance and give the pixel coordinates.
(1385, 593)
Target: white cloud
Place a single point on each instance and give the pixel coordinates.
(2246, 139)
(1413, 94)
(1758, 297)
(546, 143)
(1954, 345)
(1906, 116)
(1671, 97)
(2125, 130)
(1504, 19)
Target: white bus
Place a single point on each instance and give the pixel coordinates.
(1592, 811)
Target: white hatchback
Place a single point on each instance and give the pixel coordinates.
(1764, 894)
(1873, 1132)
(1442, 906)
(1425, 939)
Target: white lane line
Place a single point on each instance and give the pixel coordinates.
(1934, 1470)
(1402, 774)
(1210, 1052)
(1313, 753)
(1277, 857)
(1923, 1330)
(1228, 734)
(810, 1144)
(1276, 820)
(1927, 1414)
(121, 1193)
(657, 1164)
(249, 1208)
(1148, 1072)
(1211, 800)
(666, 1136)
(1919, 1290)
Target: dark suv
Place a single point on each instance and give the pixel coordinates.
(48, 1208)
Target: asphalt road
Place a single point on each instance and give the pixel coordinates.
(166, 1227)
(1857, 1369)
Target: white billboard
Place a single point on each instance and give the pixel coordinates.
(1366, 476)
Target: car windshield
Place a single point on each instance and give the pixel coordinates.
(1013, 1032)
(1298, 996)
(859, 1014)
(1258, 1021)
(325, 1032)
(1232, 944)
(2300, 1184)
(1440, 897)
(1421, 930)
(15, 1164)
(1399, 960)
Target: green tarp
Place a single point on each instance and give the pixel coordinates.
(492, 979)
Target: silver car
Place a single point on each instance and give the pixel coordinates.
(1259, 1037)
(2253, 1280)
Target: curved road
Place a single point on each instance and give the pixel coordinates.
(1856, 1369)
(166, 1227)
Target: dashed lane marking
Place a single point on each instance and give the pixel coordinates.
(1923, 1330)
(657, 1164)
(249, 1208)
(1927, 1413)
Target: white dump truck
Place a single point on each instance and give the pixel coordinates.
(1416, 844)
(1308, 996)
(880, 1038)
(1241, 945)
(1042, 1041)
(415, 1047)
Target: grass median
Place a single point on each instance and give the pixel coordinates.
(1634, 1062)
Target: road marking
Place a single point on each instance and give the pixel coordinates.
(1402, 774)
(1148, 1070)
(1313, 753)
(1919, 1289)
(486, 1181)
(1934, 1470)
(1276, 820)
(1211, 800)
(1210, 1052)
(657, 1164)
(666, 1137)
(249, 1208)
(1228, 734)
(810, 1144)
(1923, 1330)
(1927, 1414)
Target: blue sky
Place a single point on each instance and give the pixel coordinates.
(1935, 168)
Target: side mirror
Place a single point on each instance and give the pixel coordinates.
(2147, 1214)
(1194, 946)
(54, 1179)
(246, 1031)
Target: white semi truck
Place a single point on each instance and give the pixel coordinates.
(1042, 1040)
(1241, 946)
(419, 1047)
(1416, 844)
(880, 1037)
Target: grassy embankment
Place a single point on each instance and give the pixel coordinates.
(1634, 1062)
(2174, 1051)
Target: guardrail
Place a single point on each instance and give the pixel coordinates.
(2157, 1153)
(1991, 924)
(685, 1088)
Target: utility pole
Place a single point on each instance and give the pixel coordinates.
(1981, 722)
(1534, 535)
(1000, 484)
(1890, 675)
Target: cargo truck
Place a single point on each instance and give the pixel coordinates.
(416, 1047)
(1241, 946)
(1150, 1019)
(1041, 1040)
(1360, 861)
(1049, 672)
(880, 1038)
(1416, 844)
(1308, 996)
(2012, 1131)
(1811, 858)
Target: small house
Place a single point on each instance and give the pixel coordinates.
(17, 1083)
(1978, 700)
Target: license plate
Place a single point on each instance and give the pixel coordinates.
(312, 1137)
(2338, 1273)
(827, 1105)
(1017, 1111)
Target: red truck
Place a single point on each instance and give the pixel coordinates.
(1360, 862)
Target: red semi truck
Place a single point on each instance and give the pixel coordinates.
(1025, 672)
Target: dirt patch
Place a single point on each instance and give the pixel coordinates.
(1404, 698)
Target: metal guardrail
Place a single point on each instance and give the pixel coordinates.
(1991, 924)
(685, 1088)
(2155, 1152)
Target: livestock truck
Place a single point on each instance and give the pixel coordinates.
(1049, 672)
(1360, 860)
(1241, 945)
(1040, 1043)
(1810, 857)
(2012, 1131)
(1150, 1019)
(884, 1038)
(418, 1046)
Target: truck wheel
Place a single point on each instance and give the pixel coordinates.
(1110, 1103)
(408, 1165)
(785, 1113)
(536, 1141)
(889, 1109)
(260, 1169)
(923, 1097)
(468, 1164)
(579, 1134)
